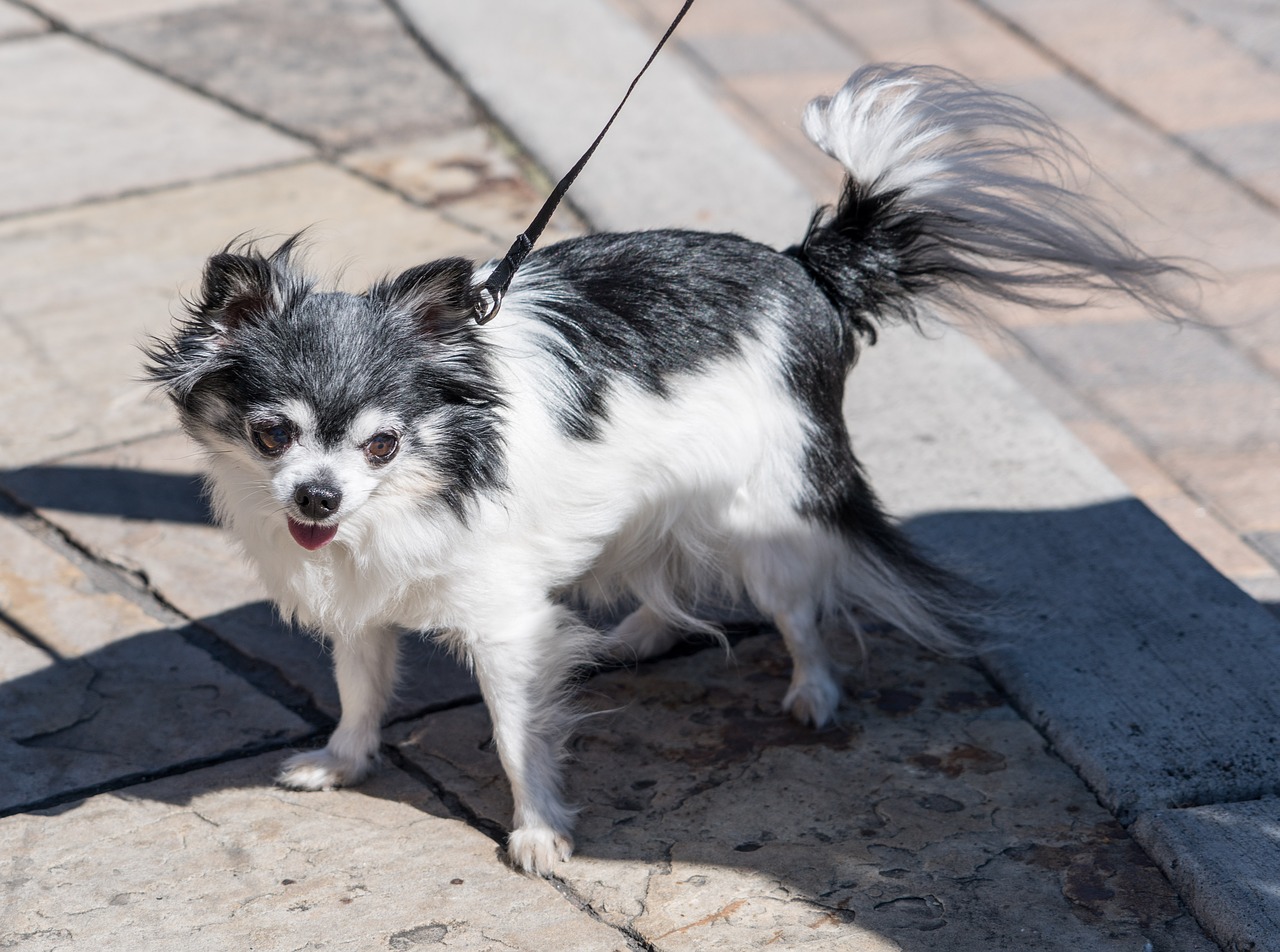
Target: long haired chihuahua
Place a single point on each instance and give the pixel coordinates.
(653, 421)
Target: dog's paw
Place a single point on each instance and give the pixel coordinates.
(536, 849)
(323, 770)
(642, 634)
(813, 701)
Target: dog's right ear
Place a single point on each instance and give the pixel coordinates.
(244, 287)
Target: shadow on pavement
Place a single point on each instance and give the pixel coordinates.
(932, 803)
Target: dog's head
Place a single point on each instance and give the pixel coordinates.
(315, 402)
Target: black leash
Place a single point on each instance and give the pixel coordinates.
(500, 279)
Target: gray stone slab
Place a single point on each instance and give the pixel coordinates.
(92, 690)
(139, 506)
(1152, 674)
(1223, 861)
(340, 72)
(216, 860)
(85, 286)
(672, 159)
(82, 124)
(711, 821)
(15, 22)
(1098, 354)
(84, 13)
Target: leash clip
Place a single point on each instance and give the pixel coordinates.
(488, 301)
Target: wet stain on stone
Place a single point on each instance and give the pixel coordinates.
(432, 933)
(957, 701)
(965, 758)
(896, 702)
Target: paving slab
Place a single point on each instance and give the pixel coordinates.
(140, 507)
(16, 21)
(664, 162)
(87, 125)
(86, 286)
(338, 72)
(95, 691)
(216, 859)
(1151, 673)
(1222, 858)
(84, 13)
(931, 818)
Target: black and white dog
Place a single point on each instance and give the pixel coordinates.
(652, 420)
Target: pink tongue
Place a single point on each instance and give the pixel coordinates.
(311, 536)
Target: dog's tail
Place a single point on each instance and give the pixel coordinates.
(955, 193)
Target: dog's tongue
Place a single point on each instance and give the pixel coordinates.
(310, 536)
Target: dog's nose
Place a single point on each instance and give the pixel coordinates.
(317, 501)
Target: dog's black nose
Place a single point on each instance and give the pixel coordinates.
(317, 501)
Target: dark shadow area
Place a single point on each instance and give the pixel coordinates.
(110, 491)
(904, 819)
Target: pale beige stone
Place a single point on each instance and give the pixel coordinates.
(711, 821)
(86, 286)
(81, 124)
(214, 860)
(15, 21)
(91, 13)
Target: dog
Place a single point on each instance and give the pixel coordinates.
(652, 423)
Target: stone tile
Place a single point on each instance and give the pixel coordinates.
(1268, 543)
(1219, 543)
(17, 22)
(1224, 417)
(732, 54)
(108, 694)
(1221, 858)
(91, 126)
(139, 506)
(469, 177)
(1244, 485)
(1098, 356)
(89, 13)
(709, 820)
(85, 286)
(216, 860)
(943, 32)
(340, 72)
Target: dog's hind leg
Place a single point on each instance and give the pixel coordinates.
(365, 667)
(814, 693)
(642, 634)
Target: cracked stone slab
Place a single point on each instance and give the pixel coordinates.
(91, 690)
(140, 507)
(1222, 860)
(86, 125)
(340, 72)
(710, 821)
(215, 860)
(85, 286)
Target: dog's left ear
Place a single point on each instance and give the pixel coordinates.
(438, 297)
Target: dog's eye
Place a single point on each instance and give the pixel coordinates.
(382, 447)
(272, 439)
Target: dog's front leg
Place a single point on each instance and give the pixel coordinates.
(522, 672)
(365, 667)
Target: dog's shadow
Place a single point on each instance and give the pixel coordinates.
(688, 774)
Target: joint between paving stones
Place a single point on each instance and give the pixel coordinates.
(149, 776)
(1122, 106)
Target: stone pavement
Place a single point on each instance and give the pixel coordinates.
(147, 693)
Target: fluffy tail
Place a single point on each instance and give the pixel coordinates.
(955, 193)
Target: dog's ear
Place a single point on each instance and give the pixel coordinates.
(236, 290)
(438, 297)
(242, 288)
